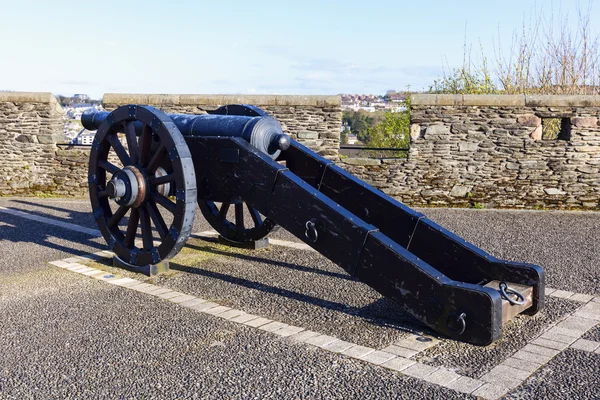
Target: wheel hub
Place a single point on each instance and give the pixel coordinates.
(128, 187)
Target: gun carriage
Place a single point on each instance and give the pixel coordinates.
(238, 158)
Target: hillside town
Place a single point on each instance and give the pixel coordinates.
(391, 101)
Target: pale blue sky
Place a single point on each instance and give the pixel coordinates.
(267, 47)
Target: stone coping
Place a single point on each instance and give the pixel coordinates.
(504, 100)
(28, 97)
(220, 99)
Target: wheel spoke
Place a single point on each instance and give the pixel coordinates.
(157, 218)
(256, 218)
(159, 180)
(146, 229)
(145, 145)
(163, 201)
(132, 226)
(239, 216)
(131, 140)
(156, 159)
(223, 211)
(107, 166)
(117, 216)
(113, 139)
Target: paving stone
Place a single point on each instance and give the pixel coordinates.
(584, 298)
(320, 340)
(464, 384)
(592, 316)
(255, 323)
(548, 291)
(597, 351)
(216, 310)
(567, 332)
(531, 357)
(204, 306)
(585, 345)
(107, 277)
(419, 370)
(169, 295)
(521, 364)
(562, 294)
(377, 357)
(442, 377)
(155, 290)
(91, 272)
(357, 351)
(338, 346)
(545, 351)
(398, 363)
(504, 373)
(550, 335)
(82, 270)
(400, 351)
(231, 314)
(73, 267)
(59, 263)
(577, 323)
(303, 336)
(288, 330)
(125, 282)
(98, 274)
(272, 326)
(418, 343)
(139, 287)
(73, 260)
(193, 302)
(244, 318)
(182, 298)
(490, 391)
(551, 344)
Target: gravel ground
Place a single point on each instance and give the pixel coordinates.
(475, 361)
(593, 334)
(72, 338)
(573, 374)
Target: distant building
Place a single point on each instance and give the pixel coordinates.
(81, 97)
(85, 138)
(352, 139)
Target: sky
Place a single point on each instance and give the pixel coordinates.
(249, 47)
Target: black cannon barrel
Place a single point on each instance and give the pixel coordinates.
(262, 132)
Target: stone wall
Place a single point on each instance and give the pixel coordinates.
(314, 121)
(31, 126)
(469, 150)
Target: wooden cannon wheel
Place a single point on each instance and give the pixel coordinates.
(217, 217)
(153, 191)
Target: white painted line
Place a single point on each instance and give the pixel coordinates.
(50, 221)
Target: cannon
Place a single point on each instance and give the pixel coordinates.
(239, 156)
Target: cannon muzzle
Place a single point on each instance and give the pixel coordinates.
(261, 131)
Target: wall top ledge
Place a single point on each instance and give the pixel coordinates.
(503, 100)
(220, 99)
(28, 97)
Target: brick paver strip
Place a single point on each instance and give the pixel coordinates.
(567, 332)
(154, 290)
(377, 357)
(320, 340)
(586, 345)
(577, 323)
(231, 314)
(216, 310)
(288, 330)
(398, 363)
(93, 271)
(597, 351)
(255, 323)
(504, 375)
(490, 391)
(442, 377)
(464, 384)
(204, 306)
(584, 298)
(303, 336)
(141, 287)
(400, 351)
(558, 337)
(193, 302)
(169, 295)
(182, 298)
(562, 294)
(338, 346)
(244, 318)
(272, 326)
(357, 351)
(531, 357)
(528, 366)
(533, 348)
(551, 344)
(419, 370)
(418, 343)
